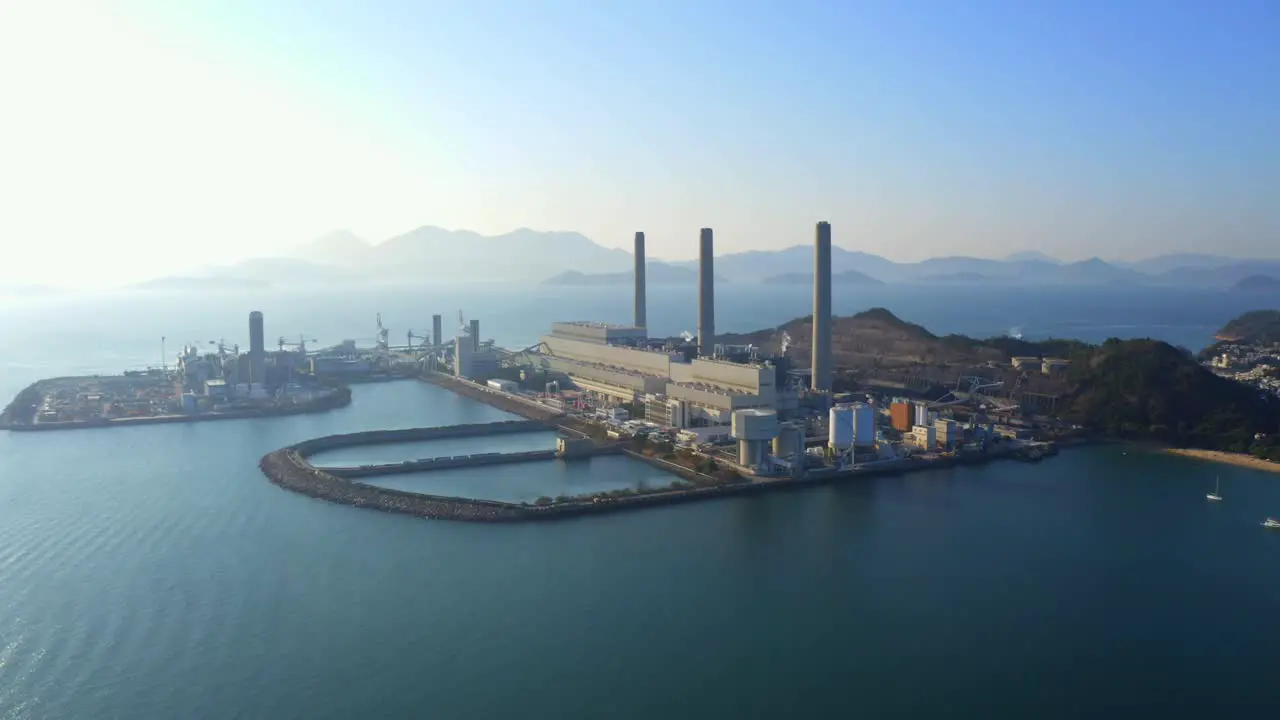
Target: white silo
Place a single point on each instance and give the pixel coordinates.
(840, 427)
(864, 425)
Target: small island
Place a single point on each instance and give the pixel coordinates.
(1257, 284)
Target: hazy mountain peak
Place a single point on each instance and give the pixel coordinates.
(1031, 256)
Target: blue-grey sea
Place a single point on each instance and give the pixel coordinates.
(152, 572)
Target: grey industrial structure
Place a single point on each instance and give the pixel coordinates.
(640, 320)
(821, 366)
(257, 349)
(475, 335)
(437, 337)
(706, 294)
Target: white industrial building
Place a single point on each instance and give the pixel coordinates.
(709, 389)
(754, 429)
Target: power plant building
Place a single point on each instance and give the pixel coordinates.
(599, 360)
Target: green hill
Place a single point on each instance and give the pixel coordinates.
(1146, 389)
(1257, 326)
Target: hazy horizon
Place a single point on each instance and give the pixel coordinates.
(143, 139)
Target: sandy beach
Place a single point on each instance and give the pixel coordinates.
(1240, 459)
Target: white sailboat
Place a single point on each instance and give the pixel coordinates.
(1214, 495)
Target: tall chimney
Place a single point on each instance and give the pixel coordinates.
(639, 253)
(475, 335)
(821, 371)
(706, 295)
(257, 349)
(436, 338)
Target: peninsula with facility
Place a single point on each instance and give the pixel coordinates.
(820, 398)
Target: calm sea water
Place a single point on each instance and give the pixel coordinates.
(152, 572)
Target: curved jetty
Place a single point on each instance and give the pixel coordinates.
(290, 469)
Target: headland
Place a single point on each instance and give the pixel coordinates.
(101, 401)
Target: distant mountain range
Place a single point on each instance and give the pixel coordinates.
(655, 273)
(1257, 283)
(435, 255)
(838, 279)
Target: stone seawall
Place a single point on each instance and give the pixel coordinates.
(289, 469)
(383, 437)
(440, 463)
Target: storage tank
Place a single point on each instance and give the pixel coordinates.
(921, 413)
(790, 441)
(840, 427)
(864, 425)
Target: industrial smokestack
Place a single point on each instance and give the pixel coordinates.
(475, 334)
(639, 253)
(706, 295)
(821, 370)
(436, 338)
(257, 349)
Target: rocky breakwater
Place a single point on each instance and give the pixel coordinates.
(290, 470)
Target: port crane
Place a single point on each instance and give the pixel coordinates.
(383, 334)
(301, 345)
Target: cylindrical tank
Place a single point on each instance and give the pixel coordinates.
(790, 440)
(751, 452)
(840, 427)
(864, 425)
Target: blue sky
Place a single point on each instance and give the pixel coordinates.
(1120, 129)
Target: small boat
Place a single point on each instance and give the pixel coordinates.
(1271, 523)
(1214, 495)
